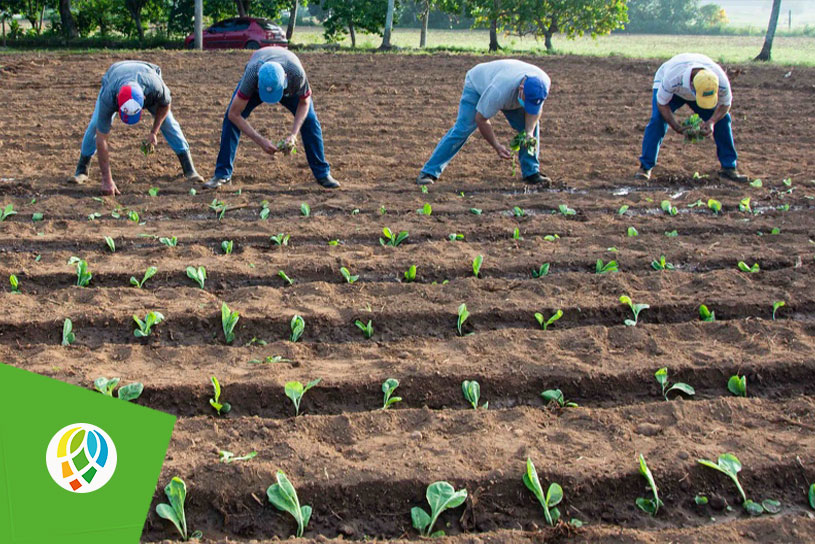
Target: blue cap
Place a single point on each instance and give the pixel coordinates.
(271, 82)
(534, 94)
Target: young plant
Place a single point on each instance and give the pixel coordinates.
(153, 191)
(347, 275)
(635, 308)
(463, 314)
(110, 243)
(440, 496)
(748, 269)
(127, 392)
(730, 465)
(668, 208)
(651, 506)
(280, 239)
(477, 265)
(172, 241)
(472, 393)
(150, 320)
(476, 211)
(556, 395)
(811, 496)
(776, 305)
(744, 205)
(427, 209)
(219, 207)
(632, 232)
(756, 183)
(662, 378)
(516, 234)
(228, 321)
(284, 497)
(624, 208)
(367, 329)
(264, 210)
(705, 314)
(226, 247)
(410, 273)
(68, 337)
(149, 273)
(549, 501)
(198, 275)
(455, 237)
(661, 264)
(215, 402)
(737, 385)
(714, 205)
(305, 210)
(7, 212)
(605, 268)
(693, 134)
(392, 239)
(544, 323)
(522, 141)
(518, 212)
(388, 387)
(297, 326)
(83, 275)
(227, 457)
(176, 492)
(542, 271)
(15, 284)
(285, 277)
(286, 147)
(566, 210)
(295, 391)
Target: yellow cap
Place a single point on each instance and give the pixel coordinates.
(706, 84)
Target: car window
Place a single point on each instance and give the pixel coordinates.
(265, 24)
(239, 25)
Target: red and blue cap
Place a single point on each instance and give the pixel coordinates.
(131, 102)
(535, 93)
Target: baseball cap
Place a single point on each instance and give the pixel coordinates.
(271, 82)
(535, 93)
(131, 102)
(706, 84)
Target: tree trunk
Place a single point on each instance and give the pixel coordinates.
(425, 16)
(292, 19)
(766, 51)
(353, 35)
(494, 35)
(386, 36)
(547, 39)
(42, 16)
(3, 22)
(68, 24)
(241, 8)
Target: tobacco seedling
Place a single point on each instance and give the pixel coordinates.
(730, 465)
(651, 506)
(410, 273)
(705, 314)
(172, 241)
(219, 207)
(264, 210)
(347, 275)
(756, 183)
(15, 284)
(285, 277)
(544, 323)
(68, 337)
(549, 501)
(635, 308)
(367, 329)
(776, 305)
(693, 134)
(176, 492)
(566, 210)
(749, 269)
(671, 234)
(392, 239)
(150, 320)
(281, 239)
(623, 209)
(605, 268)
(37, 216)
(696, 204)
(427, 209)
(284, 497)
(153, 191)
(556, 395)
(667, 208)
(662, 378)
(227, 457)
(295, 391)
(812, 496)
(455, 237)
(737, 385)
(149, 273)
(297, 325)
(661, 264)
(517, 211)
(522, 141)
(7, 212)
(440, 496)
(476, 211)
(472, 393)
(198, 275)
(714, 205)
(463, 314)
(228, 321)
(744, 205)
(110, 243)
(286, 147)
(542, 271)
(127, 392)
(551, 237)
(83, 276)
(305, 210)
(477, 265)
(388, 387)
(226, 247)
(516, 234)
(215, 402)
(632, 232)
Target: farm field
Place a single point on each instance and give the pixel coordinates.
(363, 469)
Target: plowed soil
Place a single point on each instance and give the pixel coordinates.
(361, 468)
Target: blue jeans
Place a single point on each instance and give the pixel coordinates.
(311, 132)
(658, 127)
(465, 125)
(170, 129)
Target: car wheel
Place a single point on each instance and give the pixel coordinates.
(252, 44)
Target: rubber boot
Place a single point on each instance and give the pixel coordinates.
(81, 174)
(188, 167)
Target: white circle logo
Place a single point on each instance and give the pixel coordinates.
(81, 458)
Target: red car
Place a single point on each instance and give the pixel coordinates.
(241, 33)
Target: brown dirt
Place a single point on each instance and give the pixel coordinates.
(363, 469)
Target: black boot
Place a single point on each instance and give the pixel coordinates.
(188, 167)
(81, 174)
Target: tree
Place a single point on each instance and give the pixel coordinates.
(67, 19)
(134, 7)
(292, 19)
(386, 36)
(766, 50)
(423, 9)
(348, 16)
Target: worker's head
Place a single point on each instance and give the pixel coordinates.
(706, 86)
(531, 94)
(131, 102)
(271, 82)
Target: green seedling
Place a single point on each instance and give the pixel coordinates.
(544, 323)
(424, 189)
(286, 147)
(427, 209)
(150, 320)
(632, 232)
(693, 133)
(7, 212)
(542, 271)
(295, 391)
(297, 326)
(775, 231)
(477, 265)
(756, 183)
(624, 208)
(127, 392)
(264, 210)
(749, 269)
(455, 237)
(776, 305)
(517, 211)
(382, 210)
(153, 191)
(15, 284)
(440, 496)
(410, 273)
(68, 337)
(228, 321)
(176, 492)
(94, 216)
(783, 207)
(285, 277)
(744, 205)
(172, 241)
(305, 210)
(472, 393)
(133, 216)
(392, 239)
(83, 275)
(147, 149)
(198, 275)
(730, 465)
(605, 268)
(696, 204)
(522, 141)
(367, 329)
(556, 396)
(635, 308)
(193, 192)
(149, 273)
(811, 496)
(651, 506)
(516, 234)
(110, 243)
(697, 175)
(388, 387)
(280, 239)
(700, 500)
(549, 501)
(227, 457)
(284, 497)
(705, 314)
(463, 314)
(672, 234)
(566, 210)
(551, 237)
(219, 207)
(226, 247)
(347, 275)
(787, 182)
(667, 208)
(37, 216)
(476, 211)
(661, 264)
(714, 205)
(215, 402)
(662, 378)
(737, 385)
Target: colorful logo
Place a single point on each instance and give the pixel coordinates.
(81, 458)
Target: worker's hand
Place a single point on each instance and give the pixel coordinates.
(151, 139)
(503, 152)
(707, 128)
(679, 129)
(268, 147)
(109, 188)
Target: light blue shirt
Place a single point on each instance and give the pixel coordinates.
(497, 83)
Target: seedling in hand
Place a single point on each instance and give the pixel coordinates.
(605, 268)
(410, 273)
(176, 492)
(68, 337)
(542, 271)
(472, 393)
(150, 320)
(127, 392)
(661, 264)
(544, 323)
(651, 506)
(479, 259)
(147, 149)
(776, 305)
(367, 329)
(227, 457)
(295, 391)
(440, 496)
(149, 273)
(215, 402)
(198, 275)
(280, 239)
(110, 243)
(83, 275)
(549, 501)
(463, 314)
(347, 275)
(522, 141)
(226, 247)
(662, 378)
(749, 269)
(228, 321)
(297, 325)
(284, 497)
(286, 147)
(737, 385)
(392, 239)
(556, 396)
(388, 387)
(693, 133)
(635, 309)
(705, 314)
